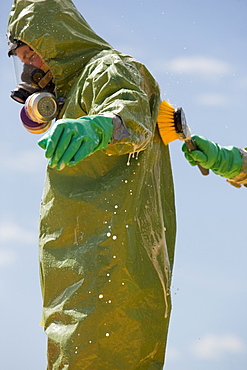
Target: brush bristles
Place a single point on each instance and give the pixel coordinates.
(165, 121)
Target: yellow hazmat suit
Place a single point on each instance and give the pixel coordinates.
(107, 224)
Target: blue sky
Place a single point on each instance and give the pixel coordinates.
(197, 51)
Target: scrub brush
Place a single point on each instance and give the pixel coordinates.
(172, 126)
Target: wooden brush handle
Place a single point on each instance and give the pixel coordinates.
(191, 145)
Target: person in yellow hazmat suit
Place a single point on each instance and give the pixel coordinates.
(107, 228)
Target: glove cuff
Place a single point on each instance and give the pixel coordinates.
(120, 130)
(241, 178)
(228, 163)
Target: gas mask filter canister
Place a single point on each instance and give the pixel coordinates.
(38, 112)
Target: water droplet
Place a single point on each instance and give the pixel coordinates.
(101, 296)
(109, 301)
(108, 234)
(116, 206)
(129, 158)
(107, 334)
(114, 237)
(108, 274)
(123, 283)
(114, 257)
(89, 341)
(126, 226)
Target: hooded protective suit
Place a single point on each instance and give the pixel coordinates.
(107, 224)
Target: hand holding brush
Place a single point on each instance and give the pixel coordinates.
(172, 125)
(225, 161)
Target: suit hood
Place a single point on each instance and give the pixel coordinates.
(58, 33)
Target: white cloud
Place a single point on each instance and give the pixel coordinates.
(213, 347)
(213, 99)
(199, 65)
(12, 232)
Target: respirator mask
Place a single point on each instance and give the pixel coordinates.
(36, 91)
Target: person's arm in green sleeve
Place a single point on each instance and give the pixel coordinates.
(71, 140)
(226, 161)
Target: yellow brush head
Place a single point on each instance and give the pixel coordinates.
(166, 123)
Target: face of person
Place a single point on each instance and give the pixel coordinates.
(28, 56)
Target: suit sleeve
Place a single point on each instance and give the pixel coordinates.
(127, 90)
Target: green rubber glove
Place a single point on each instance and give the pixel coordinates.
(71, 140)
(224, 161)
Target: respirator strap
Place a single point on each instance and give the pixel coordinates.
(45, 80)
